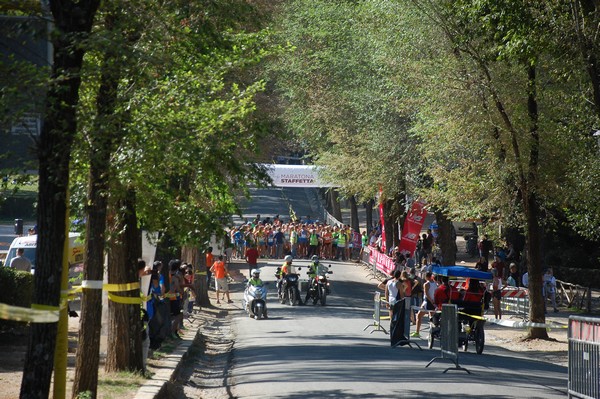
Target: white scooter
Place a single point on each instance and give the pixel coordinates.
(255, 301)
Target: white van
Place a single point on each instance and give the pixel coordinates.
(29, 243)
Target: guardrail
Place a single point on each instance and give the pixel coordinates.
(584, 357)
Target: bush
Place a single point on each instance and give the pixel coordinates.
(17, 290)
(17, 287)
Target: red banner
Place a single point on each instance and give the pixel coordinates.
(381, 220)
(412, 228)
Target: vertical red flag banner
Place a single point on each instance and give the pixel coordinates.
(381, 220)
(412, 227)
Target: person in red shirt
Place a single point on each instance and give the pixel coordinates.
(252, 259)
(443, 293)
(220, 271)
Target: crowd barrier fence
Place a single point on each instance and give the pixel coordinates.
(584, 357)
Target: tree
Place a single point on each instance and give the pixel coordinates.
(493, 57)
(72, 23)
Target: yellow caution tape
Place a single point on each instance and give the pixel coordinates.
(97, 285)
(37, 313)
(129, 300)
(121, 287)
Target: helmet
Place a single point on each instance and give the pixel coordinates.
(315, 258)
(255, 272)
(288, 258)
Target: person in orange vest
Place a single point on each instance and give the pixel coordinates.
(220, 271)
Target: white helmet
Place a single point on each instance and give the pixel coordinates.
(288, 258)
(255, 272)
(315, 258)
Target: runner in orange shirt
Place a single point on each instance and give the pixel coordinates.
(220, 271)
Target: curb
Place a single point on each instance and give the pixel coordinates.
(169, 366)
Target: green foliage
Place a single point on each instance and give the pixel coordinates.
(17, 287)
(186, 106)
(17, 290)
(341, 96)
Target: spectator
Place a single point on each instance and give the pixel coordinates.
(220, 271)
(485, 246)
(176, 285)
(252, 259)
(500, 266)
(513, 276)
(429, 288)
(209, 259)
(20, 262)
(525, 279)
(550, 289)
(497, 288)
(482, 264)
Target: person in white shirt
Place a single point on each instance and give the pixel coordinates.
(550, 289)
(525, 279)
(20, 262)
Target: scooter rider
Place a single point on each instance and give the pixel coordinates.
(257, 282)
(313, 270)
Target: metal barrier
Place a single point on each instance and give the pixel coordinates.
(377, 315)
(370, 262)
(515, 304)
(515, 301)
(449, 337)
(584, 357)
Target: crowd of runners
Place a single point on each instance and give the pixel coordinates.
(275, 239)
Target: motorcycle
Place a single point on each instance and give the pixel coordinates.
(318, 288)
(289, 288)
(255, 301)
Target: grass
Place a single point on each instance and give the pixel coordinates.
(119, 385)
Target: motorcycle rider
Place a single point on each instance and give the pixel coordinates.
(286, 268)
(313, 270)
(257, 282)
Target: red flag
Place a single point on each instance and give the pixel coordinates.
(381, 220)
(412, 227)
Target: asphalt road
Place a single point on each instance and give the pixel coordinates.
(276, 201)
(322, 352)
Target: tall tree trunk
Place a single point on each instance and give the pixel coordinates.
(446, 238)
(335, 205)
(54, 155)
(585, 16)
(124, 322)
(369, 209)
(103, 140)
(532, 212)
(354, 223)
(191, 254)
(389, 220)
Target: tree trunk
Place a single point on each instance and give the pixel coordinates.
(124, 323)
(532, 213)
(54, 155)
(369, 209)
(103, 140)
(389, 220)
(192, 255)
(354, 223)
(335, 206)
(446, 239)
